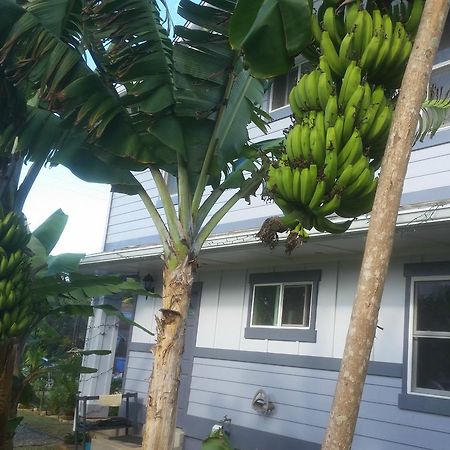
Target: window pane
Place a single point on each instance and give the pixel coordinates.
(172, 184)
(265, 305)
(433, 364)
(433, 305)
(281, 87)
(296, 305)
(444, 46)
(279, 92)
(440, 79)
(305, 67)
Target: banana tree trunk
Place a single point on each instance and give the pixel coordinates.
(7, 361)
(380, 237)
(159, 428)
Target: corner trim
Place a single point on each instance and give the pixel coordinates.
(378, 368)
(245, 438)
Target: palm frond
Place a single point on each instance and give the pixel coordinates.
(435, 111)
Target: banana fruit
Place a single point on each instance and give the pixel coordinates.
(342, 113)
(16, 309)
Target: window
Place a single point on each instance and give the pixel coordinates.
(440, 80)
(282, 306)
(430, 333)
(171, 182)
(282, 85)
(172, 186)
(426, 375)
(440, 77)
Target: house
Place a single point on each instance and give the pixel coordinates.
(245, 331)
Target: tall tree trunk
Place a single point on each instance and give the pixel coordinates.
(361, 333)
(7, 361)
(162, 399)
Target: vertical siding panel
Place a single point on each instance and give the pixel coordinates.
(325, 316)
(348, 277)
(388, 344)
(208, 310)
(230, 304)
(146, 308)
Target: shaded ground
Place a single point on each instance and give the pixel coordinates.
(41, 432)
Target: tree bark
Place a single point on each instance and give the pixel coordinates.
(7, 361)
(361, 332)
(162, 399)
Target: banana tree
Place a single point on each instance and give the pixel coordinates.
(56, 289)
(142, 103)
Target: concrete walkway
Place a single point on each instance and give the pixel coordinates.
(105, 443)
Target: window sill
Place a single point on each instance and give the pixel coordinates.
(279, 334)
(422, 403)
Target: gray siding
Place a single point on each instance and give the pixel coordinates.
(137, 377)
(302, 400)
(427, 180)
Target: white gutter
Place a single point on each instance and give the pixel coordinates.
(431, 212)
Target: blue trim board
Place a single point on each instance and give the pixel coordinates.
(197, 428)
(422, 403)
(378, 368)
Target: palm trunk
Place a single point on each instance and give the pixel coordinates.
(380, 237)
(159, 428)
(7, 361)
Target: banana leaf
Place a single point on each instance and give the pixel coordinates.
(271, 33)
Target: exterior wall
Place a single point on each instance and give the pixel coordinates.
(300, 377)
(427, 180)
(224, 311)
(302, 399)
(137, 377)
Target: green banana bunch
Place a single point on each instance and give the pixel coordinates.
(380, 44)
(16, 312)
(342, 113)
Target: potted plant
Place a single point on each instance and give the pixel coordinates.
(87, 441)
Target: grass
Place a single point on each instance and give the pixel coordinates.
(49, 425)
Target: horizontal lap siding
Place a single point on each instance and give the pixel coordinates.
(302, 399)
(428, 170)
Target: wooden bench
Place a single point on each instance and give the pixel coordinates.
(83, 424)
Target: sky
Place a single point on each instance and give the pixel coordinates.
(86, 204)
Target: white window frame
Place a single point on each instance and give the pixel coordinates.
(280, 305)
(412, 341)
